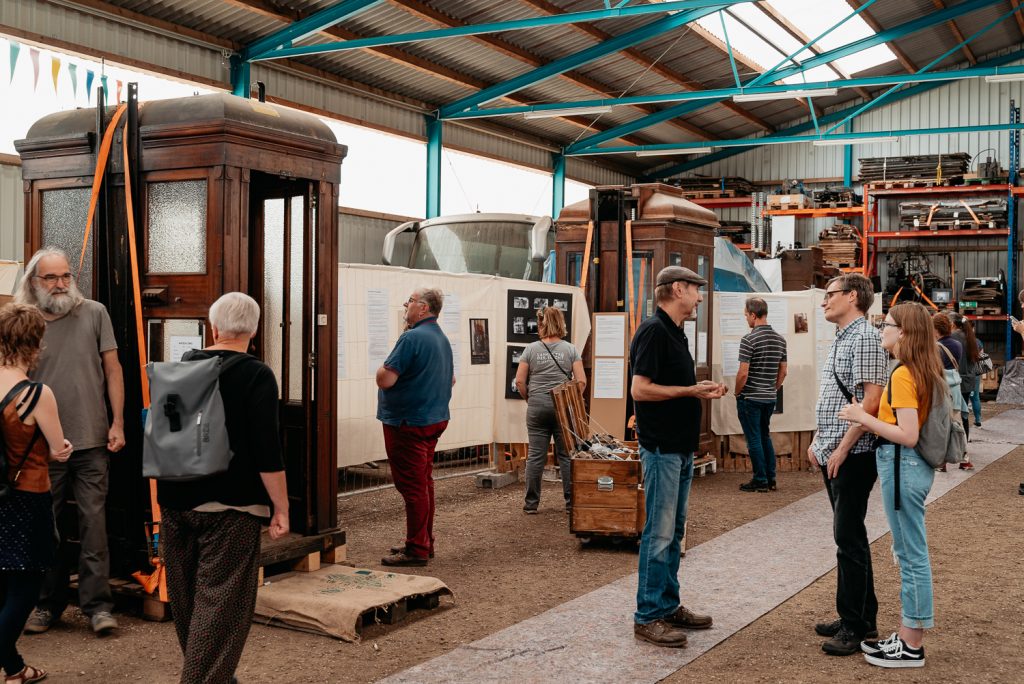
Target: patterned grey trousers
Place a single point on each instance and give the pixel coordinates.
(212, 562)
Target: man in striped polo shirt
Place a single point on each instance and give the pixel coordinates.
(761, 373)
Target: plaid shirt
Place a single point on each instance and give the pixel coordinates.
(857, 358)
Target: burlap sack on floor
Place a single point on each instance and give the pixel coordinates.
(332, 599)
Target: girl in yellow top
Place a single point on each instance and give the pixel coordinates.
(906, 335)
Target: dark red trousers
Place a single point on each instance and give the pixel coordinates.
(411, 456)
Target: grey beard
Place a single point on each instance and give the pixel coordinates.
(59, 305)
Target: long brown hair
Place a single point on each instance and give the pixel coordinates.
(916, 350)
(971, 352)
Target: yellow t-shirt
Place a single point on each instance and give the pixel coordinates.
(904, 395)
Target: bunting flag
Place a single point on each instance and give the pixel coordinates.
(106, 90)
(55, 70)
(15, 49)
(90, 75)
(73, 73)
(34, 55)
(118, 92)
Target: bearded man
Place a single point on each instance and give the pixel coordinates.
(79, 363)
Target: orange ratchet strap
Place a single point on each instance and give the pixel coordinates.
(97, 180)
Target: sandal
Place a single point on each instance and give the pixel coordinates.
(27, 675)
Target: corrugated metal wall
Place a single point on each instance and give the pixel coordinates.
(12, 213)
(361, 238)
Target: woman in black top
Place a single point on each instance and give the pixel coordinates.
(210, 532)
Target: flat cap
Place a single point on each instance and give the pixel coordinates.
(674, 274)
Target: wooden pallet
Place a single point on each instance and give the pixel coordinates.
(398, 611)
(702, 465)
(908, 183)
(708, 194)
(986, 181)
(847, 204)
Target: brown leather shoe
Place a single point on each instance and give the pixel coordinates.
(401, 549)
(687, 619)
(660, 633)
(403, 560)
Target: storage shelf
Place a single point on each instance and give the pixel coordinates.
(944, 190)
(986, 317)
(915, 234)
(817, 213)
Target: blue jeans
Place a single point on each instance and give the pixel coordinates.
(909, 539)
(667, 478)
(755, 417)
(976, 399)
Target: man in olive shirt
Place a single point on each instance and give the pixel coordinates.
(79, 363)
(666, 398)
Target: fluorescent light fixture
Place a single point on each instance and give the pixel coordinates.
(825, 142)
(785, 95)
(1004, 78)
(568, 111)
(679, 150)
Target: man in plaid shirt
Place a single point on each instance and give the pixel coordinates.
(845, 453)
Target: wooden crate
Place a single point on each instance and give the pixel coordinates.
(618, 512)
(786, 202)
(790, 452)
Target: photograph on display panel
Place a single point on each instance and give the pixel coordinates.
(522, 313)
(479, 342)
(511, 366)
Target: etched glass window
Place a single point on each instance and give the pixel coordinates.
(296, 229)
(273, 284)
(64, 215)
(177, 227)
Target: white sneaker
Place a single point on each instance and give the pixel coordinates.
(102, 622)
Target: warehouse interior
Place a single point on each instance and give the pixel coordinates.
(770, 146)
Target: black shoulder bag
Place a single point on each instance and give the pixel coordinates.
(32, 399)
(898, 447)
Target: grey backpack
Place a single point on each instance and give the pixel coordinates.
(186, 435)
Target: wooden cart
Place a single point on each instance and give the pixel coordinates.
(607, 494)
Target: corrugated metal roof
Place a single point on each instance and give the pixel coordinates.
(442, 71)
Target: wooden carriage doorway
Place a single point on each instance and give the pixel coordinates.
(282, 239)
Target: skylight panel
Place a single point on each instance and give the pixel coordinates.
(814, 17)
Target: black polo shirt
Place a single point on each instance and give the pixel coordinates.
(659, 351)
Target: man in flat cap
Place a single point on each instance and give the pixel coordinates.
(666, 398)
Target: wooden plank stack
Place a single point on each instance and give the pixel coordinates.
(915, 170)
(840, 245)
(955, 214)
(700, 187)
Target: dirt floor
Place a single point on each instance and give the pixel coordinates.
(504, 566)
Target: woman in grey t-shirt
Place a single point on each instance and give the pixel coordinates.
(544, 365)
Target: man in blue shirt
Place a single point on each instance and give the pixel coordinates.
(415, 386)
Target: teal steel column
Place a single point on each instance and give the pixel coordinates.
(557, 184)
(433, 167)
(240, 83)
(848, 159)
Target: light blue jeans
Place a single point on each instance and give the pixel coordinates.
(667, 478)
(909, 539)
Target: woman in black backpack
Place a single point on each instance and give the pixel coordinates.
(905, 477)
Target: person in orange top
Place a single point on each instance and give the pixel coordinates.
(32, 436)
(906, 478)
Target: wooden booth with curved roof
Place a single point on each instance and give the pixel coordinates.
(227, 194)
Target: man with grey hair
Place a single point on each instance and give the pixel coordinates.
(415, 387)
(79, 362)
(210, 532)
(667, 401)
(760, 376)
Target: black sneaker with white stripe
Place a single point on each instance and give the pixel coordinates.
(875, 646)
(894, 652)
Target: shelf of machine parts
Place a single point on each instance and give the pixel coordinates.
(823, 212)
(943, 190)
(914, 234)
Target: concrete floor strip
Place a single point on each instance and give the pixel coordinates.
(590, 639)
